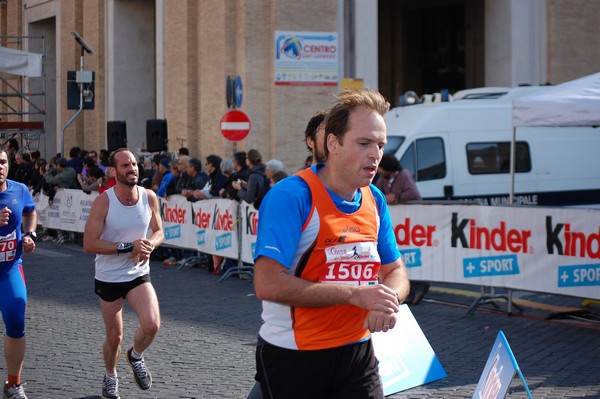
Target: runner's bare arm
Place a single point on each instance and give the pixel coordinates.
(394, 276)
(92, 243)
(156, 227)
(29, 221)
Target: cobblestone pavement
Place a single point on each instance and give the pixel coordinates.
(206, 345)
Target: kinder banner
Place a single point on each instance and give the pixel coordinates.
(554, 250)
(208, 226)
(249, 226)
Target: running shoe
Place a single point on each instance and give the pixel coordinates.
(110, 388)
(14, 392)
(141, 374)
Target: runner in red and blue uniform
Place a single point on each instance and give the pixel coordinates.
(17, 212)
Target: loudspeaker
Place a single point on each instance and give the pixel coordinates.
(116, 135)
(156, 135)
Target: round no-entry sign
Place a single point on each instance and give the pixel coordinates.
(235, 125)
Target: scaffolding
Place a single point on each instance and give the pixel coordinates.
(23, 99)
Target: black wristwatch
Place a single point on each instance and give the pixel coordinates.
(31, 234)
(124, 247)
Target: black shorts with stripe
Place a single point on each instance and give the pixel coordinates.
(110, 292)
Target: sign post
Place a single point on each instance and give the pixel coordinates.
(235, 125)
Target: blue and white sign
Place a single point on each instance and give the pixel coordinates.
(579, 275)
(498, 372)
(406, 359)
(238, 92)
(490, 266)
(306, 58)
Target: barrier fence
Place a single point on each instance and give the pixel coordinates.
(550, 250)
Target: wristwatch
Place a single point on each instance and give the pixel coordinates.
(124, 247)
(31, 234)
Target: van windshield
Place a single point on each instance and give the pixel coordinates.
(393, 143)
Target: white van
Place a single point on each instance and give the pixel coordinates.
(460, 150)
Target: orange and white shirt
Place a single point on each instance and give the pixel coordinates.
(333, 248)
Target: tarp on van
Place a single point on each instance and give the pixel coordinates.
(573, 103)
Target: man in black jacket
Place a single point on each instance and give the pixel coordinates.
(197, 179)
(257, 181)
(24, 168)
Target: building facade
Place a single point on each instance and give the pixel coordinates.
(170, 59)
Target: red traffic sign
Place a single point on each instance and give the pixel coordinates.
(235, 125)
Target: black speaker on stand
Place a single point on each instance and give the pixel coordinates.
(156, 135)
(116, 135)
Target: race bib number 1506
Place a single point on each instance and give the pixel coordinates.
(353, 263)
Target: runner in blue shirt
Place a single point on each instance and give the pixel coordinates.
(17, 211)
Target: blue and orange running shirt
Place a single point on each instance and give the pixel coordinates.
(322, 238)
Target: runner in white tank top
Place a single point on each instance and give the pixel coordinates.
(123, 223)
(123, 228)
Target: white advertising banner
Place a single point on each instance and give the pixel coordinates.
(249, 226)
(553, 250)
(208, 226)
(68, 211)
(306, 58)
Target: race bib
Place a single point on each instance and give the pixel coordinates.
(8, 247)
(354, 264)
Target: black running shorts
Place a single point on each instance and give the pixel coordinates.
(347, 372)
(110, 292)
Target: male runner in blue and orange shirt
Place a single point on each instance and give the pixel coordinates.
(327, 265)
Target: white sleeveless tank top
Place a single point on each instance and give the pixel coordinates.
(124, 224)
